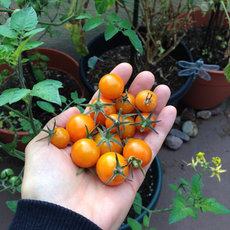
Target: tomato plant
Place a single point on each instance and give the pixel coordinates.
(146, 101)
(138, 149)
(126, 102)
(111, 86)
(85, 153)
(76, 126)
(60, 138)
(112, 169)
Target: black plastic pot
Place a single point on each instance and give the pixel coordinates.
(157, 180)
(98, 46)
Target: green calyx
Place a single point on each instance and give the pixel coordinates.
(135, 163)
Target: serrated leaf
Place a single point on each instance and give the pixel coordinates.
(7, 31)
(134, 225)
(137, 200)
(146, 221)
(227, 72)
(125, 24)
(92, 23)
(24, 20)
(48, 91)
(110, 31)
(134, 39)
(32, 45)
(5, 3)
(12, 205)
(177, 214)
(215, 207)
(103, 5)
(192, 213)
(196, 185)
(46, 106)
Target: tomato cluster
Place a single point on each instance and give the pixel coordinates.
(103, 136)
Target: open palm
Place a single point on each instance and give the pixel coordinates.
(50, 174)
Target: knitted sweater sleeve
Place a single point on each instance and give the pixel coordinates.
(37, 215)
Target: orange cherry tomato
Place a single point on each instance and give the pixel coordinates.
(145, 115)
(111, 86)
(129, 130)
(104, 148)
(76, 126)
(109, 123)
(124, 105)
(105, 168)
(85, 153)
(146, 101)
(139, 149)
(61, 138)
(107, 109)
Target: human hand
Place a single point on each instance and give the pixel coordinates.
(50, 174)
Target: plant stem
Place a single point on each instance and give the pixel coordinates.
(153, 211)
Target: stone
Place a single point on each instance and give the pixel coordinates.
(190, 128)
(173, 142)
(180, 134)
(178, 120)
(216, 111)
(188, 114)
(204, 114)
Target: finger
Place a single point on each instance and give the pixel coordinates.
(124, 70)
(167, 117)
(143, 80)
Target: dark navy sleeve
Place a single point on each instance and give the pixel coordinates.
(37, 215)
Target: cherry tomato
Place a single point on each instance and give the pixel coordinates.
(124, 105)
(109, 123)
(139, 149)
(146, 101)
(111, 86)
(61, 138)
(107, 109)
(105, 168)
(7, 173)
(104, 148)
(15, 180)
(145, 115)
(129, 130)
(85, 153)
(76, 126)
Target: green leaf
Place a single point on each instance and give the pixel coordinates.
(32, 45)
(5, 3)
(134, 39)
(137, 200)
(125, 24)
(227, 72)
(196, 185)
(33, 32)
(113, 17)
(76, 99)
(12, 205)
(103, 5)
(24, 20)
(175, 188)
(44, 57)
(7, 31)
(192, 213)
(83, 16)
(110, 31)
(46, 106)
(177, 214)
(146, 221)
(93, 23)
(26, 139)
(134, 225)
(185, 182)
(39, 74)
(18, 95)
(48, 91)
(213, 206)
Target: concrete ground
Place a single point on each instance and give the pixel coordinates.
(214, 140)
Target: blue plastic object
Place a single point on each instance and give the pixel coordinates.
(196, 68)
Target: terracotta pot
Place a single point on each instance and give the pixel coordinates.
(206, 94)
(98, 46)
(58, 61)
